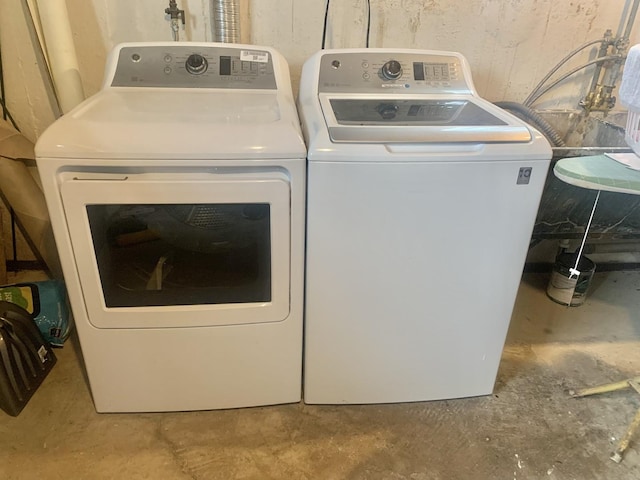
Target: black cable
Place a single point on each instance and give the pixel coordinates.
(29, 162)
(5, 111)
(368, 22)
(324, 29)
(326, 19)
(8, 114)
(5, 114)
(14, 239)
(17, 159)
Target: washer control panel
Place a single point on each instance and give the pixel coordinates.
(375, 72)
(183, 66)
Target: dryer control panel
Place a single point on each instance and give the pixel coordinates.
(184, 66)
(391, 72)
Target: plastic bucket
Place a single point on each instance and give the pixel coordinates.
(566, 290)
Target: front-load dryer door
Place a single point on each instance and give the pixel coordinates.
(157, 250)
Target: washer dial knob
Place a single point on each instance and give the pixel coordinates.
(387, 111)
(392, 70)
(196, 64)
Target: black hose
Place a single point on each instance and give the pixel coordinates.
(368, 23)
(539, 122)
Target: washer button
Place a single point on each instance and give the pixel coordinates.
(366, 76)
(167, 70)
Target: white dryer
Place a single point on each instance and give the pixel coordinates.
(177, 201)
(421, 199)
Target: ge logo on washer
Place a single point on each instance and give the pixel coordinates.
(524, 175)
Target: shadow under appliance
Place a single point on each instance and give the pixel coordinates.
(421, 199)
(177, 201)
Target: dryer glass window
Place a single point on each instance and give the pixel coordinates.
(182, 254)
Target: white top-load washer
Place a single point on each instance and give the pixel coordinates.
(176, 195)
(421, 199)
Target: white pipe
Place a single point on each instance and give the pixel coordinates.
(61, 52)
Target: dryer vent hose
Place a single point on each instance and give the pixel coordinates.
(226, 20)
(531, 116)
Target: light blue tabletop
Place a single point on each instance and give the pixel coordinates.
(598, 172)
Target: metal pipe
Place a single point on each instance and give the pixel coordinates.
(568, 74)
(528, 100)
(176, 15)
(632, 18)
(226, 20)
(621, 45)
(600, 95)
(623, 18)
(604, 49)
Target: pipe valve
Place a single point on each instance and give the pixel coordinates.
(176, 15)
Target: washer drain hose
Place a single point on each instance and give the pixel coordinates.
(539, 122)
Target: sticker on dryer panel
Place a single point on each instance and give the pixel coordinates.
(524, 175)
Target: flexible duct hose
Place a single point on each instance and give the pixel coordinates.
(536, 120)
(226, 20)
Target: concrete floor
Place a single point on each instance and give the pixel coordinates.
(529, 429)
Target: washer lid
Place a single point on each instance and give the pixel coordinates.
(424, 119)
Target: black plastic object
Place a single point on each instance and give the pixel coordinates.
(26, 358)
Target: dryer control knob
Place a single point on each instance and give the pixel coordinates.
(196, 64)
(392, 70)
